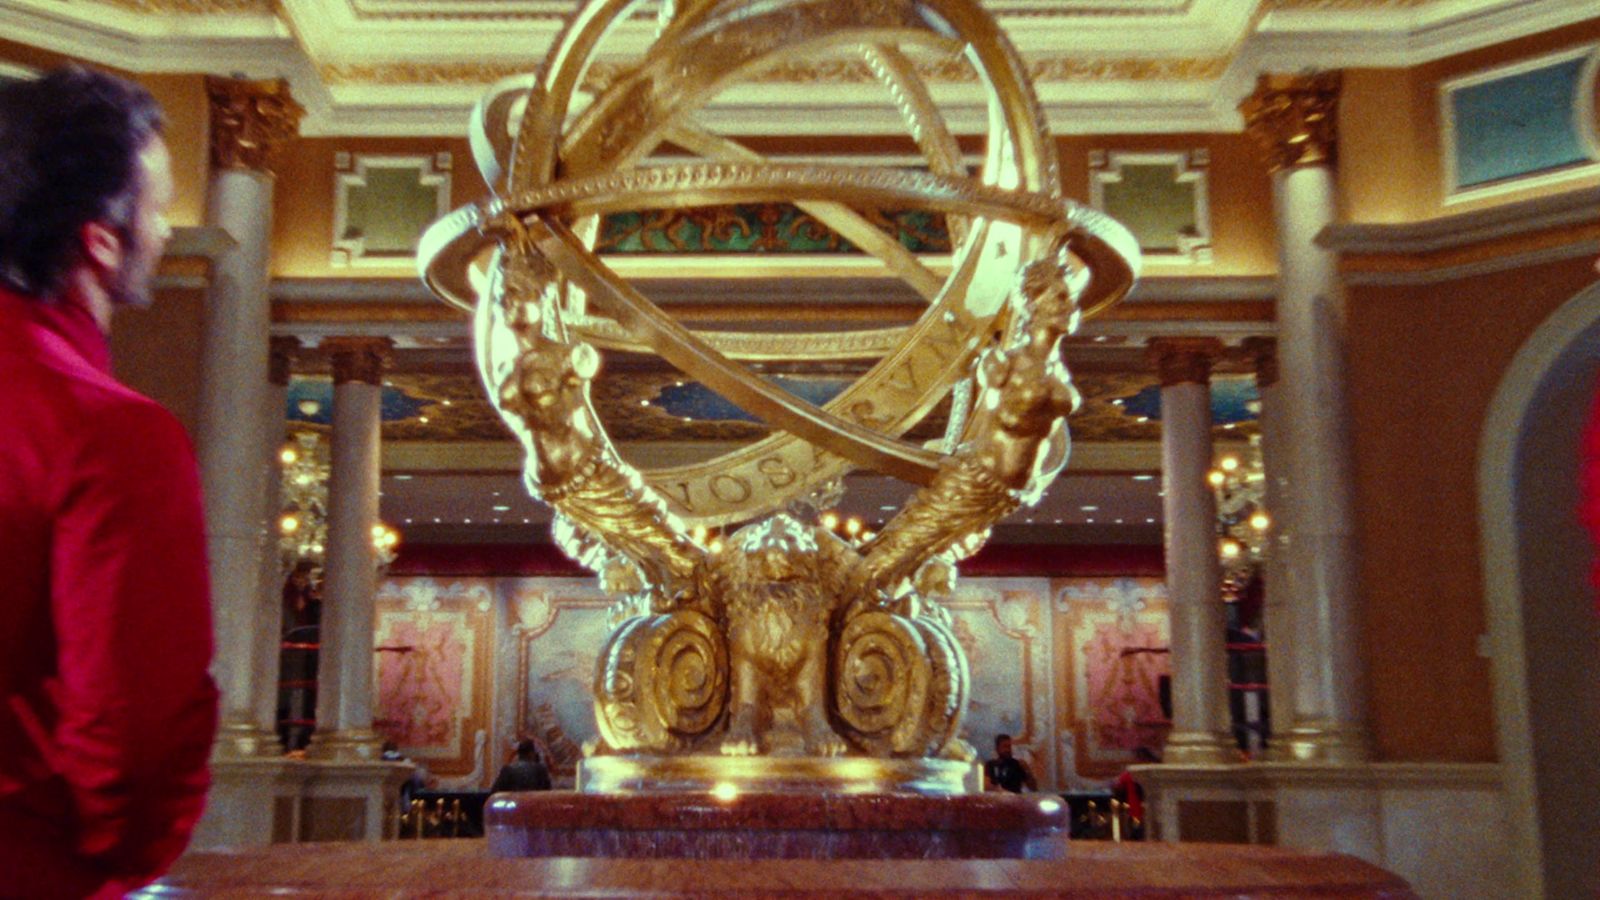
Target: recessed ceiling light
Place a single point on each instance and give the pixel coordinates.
(422, 419)
(496, 493)
(1090, 508)
(1149, 521)
(502, 509)
(408, 521)
(1100, 339)
(1230, 426)
(497, 520)
(1144, 478)
(1119, 521)
(402, 478)
(1117, 402)
(1142, 419)
(445, 402)
(1090, 520)
(436, 519)
(887, 508)
(526, 521)
(467, 521)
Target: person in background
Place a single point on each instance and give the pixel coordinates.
(1127, 789)
(1005, 772)
(525, 771)
(107, 713)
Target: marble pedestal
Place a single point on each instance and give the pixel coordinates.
(698, 825)
(462, 868)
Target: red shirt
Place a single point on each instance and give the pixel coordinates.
(106, 709)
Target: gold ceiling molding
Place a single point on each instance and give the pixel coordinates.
(1347, 4)
(195, 7)
(496, 10)
(835, 71)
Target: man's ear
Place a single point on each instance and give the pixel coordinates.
(102, 246)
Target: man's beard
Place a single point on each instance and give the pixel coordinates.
(132, 282)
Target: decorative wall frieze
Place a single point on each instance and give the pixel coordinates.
(1516, 235)
(251, 121)
(1295, 118)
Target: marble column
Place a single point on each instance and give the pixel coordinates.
(250, 121)
(1294, 118)
(1263, 353)
(1200, 726)
(269, 602)
(350, 570)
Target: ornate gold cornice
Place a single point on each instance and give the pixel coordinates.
(1263, 353)
(835, 71)
(1332, 5)
(280, 358)
(250, 121)
(195, 7)
(1295, 118)
(358, 358)
(1184, 360)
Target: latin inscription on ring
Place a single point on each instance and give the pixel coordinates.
(891, 398)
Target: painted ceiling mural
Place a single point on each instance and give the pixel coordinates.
(662, 406)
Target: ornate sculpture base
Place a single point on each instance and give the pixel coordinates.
(774, 775)
(729, 825)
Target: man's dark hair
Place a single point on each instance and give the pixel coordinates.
(69, 155)
(527, 750)
(999, 739)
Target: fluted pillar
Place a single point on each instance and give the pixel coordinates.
(250, 121)
(1263, 353)
(350, 571)
(1200, 728)
(1294, 118)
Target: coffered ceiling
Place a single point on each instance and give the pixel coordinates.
(416, 66)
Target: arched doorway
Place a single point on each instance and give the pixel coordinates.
(1544, 633)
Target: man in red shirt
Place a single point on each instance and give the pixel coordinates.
(106, 710)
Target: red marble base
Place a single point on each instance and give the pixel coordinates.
(685, 825)
(463, 868)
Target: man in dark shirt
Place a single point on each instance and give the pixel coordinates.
(1006, 772)
(525, 773)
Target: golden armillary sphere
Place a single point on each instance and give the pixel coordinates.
(683, 676)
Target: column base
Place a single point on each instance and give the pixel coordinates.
(356, 744)
(243, 739)
(1200, 748)
(1322, 742)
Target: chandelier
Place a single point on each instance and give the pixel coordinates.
(303, 520)
(1240, 484)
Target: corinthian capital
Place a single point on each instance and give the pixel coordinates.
(357, 358)
(1295, 118)
(250, 122)
(1184, 360)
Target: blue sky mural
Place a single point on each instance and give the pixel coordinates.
(693, 400)
(1231, 401)
(397, 404)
